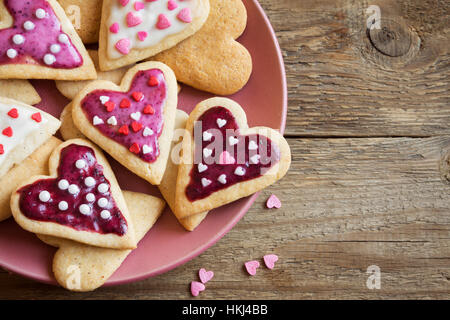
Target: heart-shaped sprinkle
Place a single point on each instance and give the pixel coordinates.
(2, 149)
(124, 130)
(104, 99)
(142, 35)
(205, 182)
(112, 121)
(185, 15)
(163, 22)
(13, 113)
(207, 152)
(135, 116)
(114, 28)
(139, 5)
(133, 20)
(233, 141)
(226, 158)
(137, 96)
(125, 103)
(110, 106)
(123, 46)
(149, 109)
(273, 202)
(196, 288)
(222, 179)
(255, 159)
(36, 117)
(97, 121)
(202, 167)
(8, 132)
(136, 126)
(221, 122)
(147, 132)
(172, 5)
(153, 81)
(204, 275)
(251, 267)
(207, 136)
(146, 149)
(135, 148)
(252, 145)
(269, 260)
(239, 171)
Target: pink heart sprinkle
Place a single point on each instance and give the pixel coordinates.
(185, 15)
(251, 267)
(273, 202)
(114, 27)
(133, 20)
(123, 46)
(270, 260)
(204, 275)
(139, 5)
(172, 5)
(124, 2)
(163, 22)
(226, 158)
(196, 288)
(142, 35)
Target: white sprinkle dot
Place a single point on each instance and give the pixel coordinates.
(102, 202)
(105, 214)
(28, 25)
(90, 197)
(40, 13)
(55, 48)
(11, 53)
(63, 38)
(44, 196)
(89, 182)
(80, 164)
(18, 39)
(73, 189)
(63, 206)
(49, 59)
(85, 209)
(63, 184)
(103, 188)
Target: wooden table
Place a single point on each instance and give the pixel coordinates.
(368, 125)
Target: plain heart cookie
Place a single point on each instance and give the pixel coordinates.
(223, 160)
(132, 31)
(37, 41)
(133, 122)
(80, 200)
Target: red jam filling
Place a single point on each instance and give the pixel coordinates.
(247, 157)
(36, 37)
(134, 119)
(79, 198)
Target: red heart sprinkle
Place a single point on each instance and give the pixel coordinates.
(135, 148)
(125, 103)
(124, 130)
(137, 96)
(136, 126)
(110, 106)
(153, 81)
(2, 151)
(8, 132)
(13, 113)
(149, 109)
(36, 117)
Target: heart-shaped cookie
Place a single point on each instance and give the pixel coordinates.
(39, 42)
(256, 158)
(133, 122)
(80, 200)
(131, 31)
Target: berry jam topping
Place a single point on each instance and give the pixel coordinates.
(79, 197)
(36, 37)
(241, 158)
(138, 122)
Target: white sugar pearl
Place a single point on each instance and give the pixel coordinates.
(90, 197)
(80, 164)
(63, 38)
(18, 39)
(73, 189)
(89, 182)
(63, 206)
(11, 53)
(49, 59)
(222, 179)
(102, 202)
(55, 48)
(103, 188)
(40, 13)
(63, 184)
(105, 214)
(44, 196)
(28, 25)
(85, 209)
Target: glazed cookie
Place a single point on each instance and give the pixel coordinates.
(225, 160)
(169, 181)
(35, 164)
(80, 200)
(83, 268)
(20, 90)
(223, 68)
(131, 31)
(85, 16)
(23, 129)
(37, 41)
(133, 122)
(71, 88)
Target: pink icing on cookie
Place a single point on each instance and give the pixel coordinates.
(133, 20)
(114, 27)
(139, 5)
(185, 15)
(172, 5)
(123, 46)
(35, 29)
(142, 35)
(163, 22)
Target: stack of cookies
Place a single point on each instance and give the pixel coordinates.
(124, 99)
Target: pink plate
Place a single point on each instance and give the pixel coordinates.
(168, 245)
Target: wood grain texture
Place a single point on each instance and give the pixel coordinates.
(370, 179)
